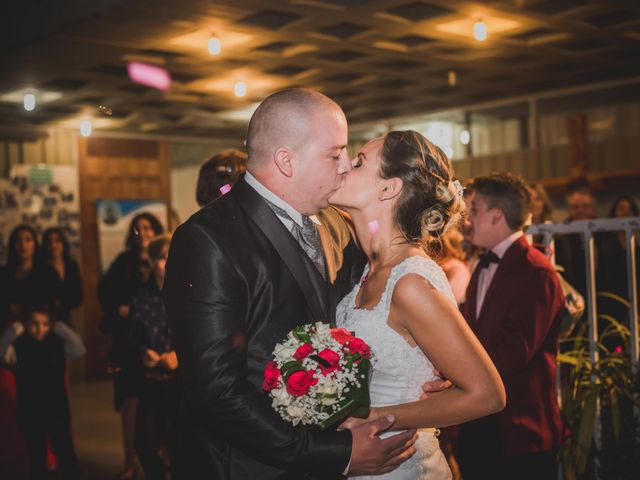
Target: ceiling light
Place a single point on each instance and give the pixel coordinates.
(480, 31)
(29, 102)
(448, 151)
(452, 78)
(17, 96)
(214, 46)
(465, 137)
(85, 128)
(240, 89)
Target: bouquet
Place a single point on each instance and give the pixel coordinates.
(319, 376)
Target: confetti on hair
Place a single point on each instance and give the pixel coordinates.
(149, 75)
(226, 188)
(374, 226)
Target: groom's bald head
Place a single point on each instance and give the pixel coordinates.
(285, 119)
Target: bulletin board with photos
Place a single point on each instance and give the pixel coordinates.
(41, 196)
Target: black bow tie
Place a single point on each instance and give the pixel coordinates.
(488, 258)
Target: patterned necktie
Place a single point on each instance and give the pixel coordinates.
(306, 236)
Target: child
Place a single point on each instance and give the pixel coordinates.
(43, 404)
(152, 347)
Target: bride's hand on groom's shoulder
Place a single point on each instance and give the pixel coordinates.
(435, 386)
(352, 422)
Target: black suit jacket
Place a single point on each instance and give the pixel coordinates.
(236, 284)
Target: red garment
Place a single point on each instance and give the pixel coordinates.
(13, 451)
(519, 327)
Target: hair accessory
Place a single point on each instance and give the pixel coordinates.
(459, 188)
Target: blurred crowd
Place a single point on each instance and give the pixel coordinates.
(41, 286)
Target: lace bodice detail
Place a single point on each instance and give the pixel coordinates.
(399, 370)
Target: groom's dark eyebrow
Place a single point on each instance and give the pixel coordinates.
(362, 156)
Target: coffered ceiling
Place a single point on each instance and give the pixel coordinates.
(379, 59)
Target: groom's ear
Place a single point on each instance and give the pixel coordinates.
(390, 188)
(283, 158)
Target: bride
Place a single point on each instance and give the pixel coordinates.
(401, 198)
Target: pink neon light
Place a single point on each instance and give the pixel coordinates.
(225, 189)
(149, 75)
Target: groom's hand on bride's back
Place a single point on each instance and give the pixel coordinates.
(371, 454)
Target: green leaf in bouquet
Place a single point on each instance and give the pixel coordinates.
(290, 367)
(320, 361)
(356, 401)
(301, 334)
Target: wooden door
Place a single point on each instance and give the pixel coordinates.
(112, 169)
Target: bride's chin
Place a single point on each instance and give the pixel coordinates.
(336, 200)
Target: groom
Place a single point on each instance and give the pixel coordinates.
(242, 273)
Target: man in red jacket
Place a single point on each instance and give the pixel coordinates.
(512, 304)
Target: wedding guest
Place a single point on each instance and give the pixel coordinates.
(624, 206)
(451, 260)
(56, 254)
(25, 279)
(128, 272)
(513, 304)
(221, 169)
(541, 208)
(613, 266)
(570, 251)
(14, 463)
(541, 212)
(43, 412)
(154, 351)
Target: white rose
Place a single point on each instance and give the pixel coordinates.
(285, 351)
(295, 411)
(327, 389)
(280, 397)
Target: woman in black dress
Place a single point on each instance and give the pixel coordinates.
(128, 272)
(55, 251)
(25, 280)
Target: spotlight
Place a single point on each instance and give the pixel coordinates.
(86, 128)
(452, 78)
(214, 46)
(29, 102)
(480, 31)
(240, 89)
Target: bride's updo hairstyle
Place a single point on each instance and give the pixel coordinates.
(430, 200)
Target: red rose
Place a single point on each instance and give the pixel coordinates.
(271, 377)
(341, 335)
(357, 345)
(330, 357)
(299, 382)
(303, 351)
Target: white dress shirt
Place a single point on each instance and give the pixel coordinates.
(486, 274)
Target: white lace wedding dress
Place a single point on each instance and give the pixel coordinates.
(399, 370)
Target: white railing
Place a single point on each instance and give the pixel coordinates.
(630, 225)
